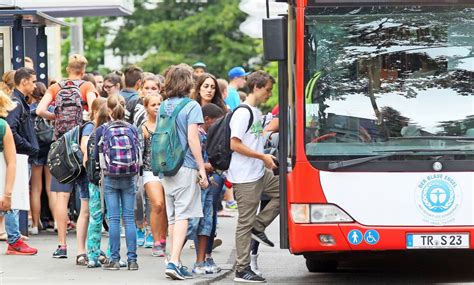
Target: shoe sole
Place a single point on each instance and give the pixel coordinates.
(261, 241)
(158, 255)
(111, 268)
(216, 244)
(133, 269)
(174, 275)
(236, 279)
(10, 252)
(60, 256)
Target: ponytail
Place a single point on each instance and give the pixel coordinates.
(116, 105)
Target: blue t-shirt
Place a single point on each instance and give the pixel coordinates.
(87, 130)
(190, 114)
(233, 98)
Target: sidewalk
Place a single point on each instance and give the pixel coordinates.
(43, 269)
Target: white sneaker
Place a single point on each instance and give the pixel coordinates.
(122, 232)
(254, 264)
(34, 231)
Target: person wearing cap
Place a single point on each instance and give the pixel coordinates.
(236, 81)
(199, 68)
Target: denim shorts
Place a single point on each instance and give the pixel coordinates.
(202, 226)
(81, 185)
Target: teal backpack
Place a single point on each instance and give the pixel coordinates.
(3, 129)
(167, 153)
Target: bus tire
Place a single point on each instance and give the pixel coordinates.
(321, 265)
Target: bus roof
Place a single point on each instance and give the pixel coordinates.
(358, 3)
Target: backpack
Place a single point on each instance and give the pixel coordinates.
(218, 140)
(69, 107)
(135, 111)
(44, 131)
(65, 156)
(167, 153)
(119, 150)
(3, 130)
(92, 166)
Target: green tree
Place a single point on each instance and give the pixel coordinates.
(174, 32)
(94, 33)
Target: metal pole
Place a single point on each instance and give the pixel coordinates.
(18, 43)
(42, 56)
(77, 37)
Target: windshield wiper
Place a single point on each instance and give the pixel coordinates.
(351, 162)
(454, 138)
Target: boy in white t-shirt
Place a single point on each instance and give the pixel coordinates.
(250, 175)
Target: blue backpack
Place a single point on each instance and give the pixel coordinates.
(167, 153)
(119, 150)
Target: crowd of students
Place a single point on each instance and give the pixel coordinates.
(120, 119)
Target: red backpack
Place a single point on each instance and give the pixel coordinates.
(69, 107)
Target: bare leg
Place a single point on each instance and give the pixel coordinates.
(201, 248)
(179, 235)
(158, 219)
(81, 227)
(51, 198)
(60, 214)
(35, 194)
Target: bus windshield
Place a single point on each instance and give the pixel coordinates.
(382, 80)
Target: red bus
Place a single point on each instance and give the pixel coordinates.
(376, 127)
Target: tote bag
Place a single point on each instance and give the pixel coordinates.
(20, 195)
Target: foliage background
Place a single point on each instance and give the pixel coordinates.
(172, 32)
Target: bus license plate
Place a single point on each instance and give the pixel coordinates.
(451, 240)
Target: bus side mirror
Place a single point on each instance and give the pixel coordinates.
(275, 38)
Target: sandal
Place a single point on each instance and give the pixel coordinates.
(93, 264)
(103, 258)
(3, 236)
(82, 260)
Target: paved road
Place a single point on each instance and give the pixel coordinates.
(280, 267)
(43, 269)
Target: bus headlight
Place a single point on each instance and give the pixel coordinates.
(300, 213)
(324, 213)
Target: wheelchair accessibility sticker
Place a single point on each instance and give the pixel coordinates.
(371, 237)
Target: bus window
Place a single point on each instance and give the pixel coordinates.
(381, 80)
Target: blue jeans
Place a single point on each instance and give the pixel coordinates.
(12, 226)
(216, 191)
(121, 191)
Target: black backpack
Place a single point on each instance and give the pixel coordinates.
(44, 131)
(135, 111)
(92, 166)
(218, 140)
(65, 156)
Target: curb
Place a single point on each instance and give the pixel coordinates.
(229, 268)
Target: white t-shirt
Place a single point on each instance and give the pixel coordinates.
(244, 169)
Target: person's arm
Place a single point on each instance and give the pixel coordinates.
(13, 120)
(237, 146)
(42, 109)
(9, 152)
(84, 141)
(91, 95)
(272, 126)
(195, 147)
